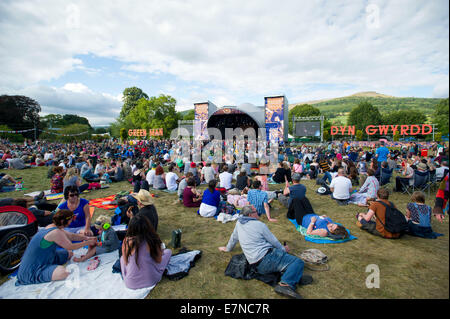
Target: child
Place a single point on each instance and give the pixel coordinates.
(419, 216)
(107, 236)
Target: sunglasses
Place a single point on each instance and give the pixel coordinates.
(73, 195)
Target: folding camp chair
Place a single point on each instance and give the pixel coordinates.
(421, 181)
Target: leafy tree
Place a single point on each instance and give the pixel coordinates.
(359, 135)
(438, 137)
(326, 135)
(130, 99)
(12, 137)
(20, 113)
(123, 134)
(301, 110)
(189, 116)
(363, 115)
(404, 117)
(396, 136)
(73, 130)
(440, 116)
(156, 112)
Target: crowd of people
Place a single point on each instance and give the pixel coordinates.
(350, 174)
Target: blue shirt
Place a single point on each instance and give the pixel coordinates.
(382, 153)
(321, 222)
(211, 199)
(79, 213)
(257, 198)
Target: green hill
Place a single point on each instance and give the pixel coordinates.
(337, 109)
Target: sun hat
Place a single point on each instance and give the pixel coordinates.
(322, 190)
(101, 222)
(144, 197)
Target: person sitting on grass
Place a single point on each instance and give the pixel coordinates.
(367, 192)
(418, 215)
(182, 185)
(42, 262)
(80, 207)
(259, 199)
(107, 240)
(7, 180)
(145, 204)
(265, 254)
(144, 257)
(341, 187)
(191, 197)
(376, 211)
(57, 181)
(210, 200)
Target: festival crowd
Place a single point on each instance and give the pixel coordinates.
(345, 171)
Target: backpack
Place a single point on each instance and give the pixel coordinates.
(314, 259)
(395, 221)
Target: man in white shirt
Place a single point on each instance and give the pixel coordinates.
(341, 187)
(208, 173)
(225, 178)
(171, 179)
(440, 171)
(151, 175)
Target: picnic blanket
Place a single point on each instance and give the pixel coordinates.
(104, 203)
(319, 239)
(100, 283)
(33, 194)
(54, 196)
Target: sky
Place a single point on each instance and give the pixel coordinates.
(77, 57)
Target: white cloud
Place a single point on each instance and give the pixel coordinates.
(232, 48)
(75, 98)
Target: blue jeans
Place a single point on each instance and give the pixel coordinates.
(290, 266)
(327, 175)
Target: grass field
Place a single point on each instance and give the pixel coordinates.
(410, 267)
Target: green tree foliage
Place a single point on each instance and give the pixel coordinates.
(396, 136)
(326, 135)
(404, 117)
(130, 99)
(438, 137)
(440, 116)
(19, 113)
(12, 137)
(364, 114)
(58, 120)
(302, 110)
(73, 130)
(123, 134)
(359, 135)
(189, 116)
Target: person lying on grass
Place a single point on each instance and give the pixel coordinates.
(42, 262)
(323, 226)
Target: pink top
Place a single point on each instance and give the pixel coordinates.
(298, 168)
(263, 180)
(149, 272)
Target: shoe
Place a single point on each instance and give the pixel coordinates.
(287, 291)
(40, 196)
(306, 280)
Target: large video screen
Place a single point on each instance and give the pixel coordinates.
(307, 128)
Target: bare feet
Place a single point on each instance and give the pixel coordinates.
(79, 259)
